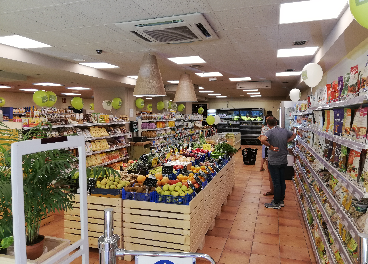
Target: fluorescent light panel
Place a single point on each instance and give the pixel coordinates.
(209, 74)
(187, 60)
(99, 65)
(214, 94)
(296, 52)
(201, 88)
(173, 82)
(78, 88)
(240, 79)
(48, 84)
(254, 93)
(256, 96)
(291, 73)
(206, 91)
(211, 111)
(4, 87)
(149, 98)
(312, 10)
(22, 42)
(29, 90)
(221, 96)
(71, 93)
(133, 77)
(251, 90)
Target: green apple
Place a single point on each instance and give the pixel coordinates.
(120, 186)
(165, 187)
(174, 193)
(171, 188)
(184, 188)
(177, 188)
(179, 184)
(167, 192)
(99, 185)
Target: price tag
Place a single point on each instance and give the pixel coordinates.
(163, 260)
(206, 147)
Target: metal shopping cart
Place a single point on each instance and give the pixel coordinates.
(109, 250)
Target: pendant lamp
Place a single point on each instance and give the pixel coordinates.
(185, 91)
(149, 82)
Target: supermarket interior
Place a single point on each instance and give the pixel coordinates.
(135, 131)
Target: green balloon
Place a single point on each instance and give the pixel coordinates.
(210, 120)
(2, 101)
(170, 104)
(181, 107)
(92, 106)
(52, 99)
(149, 107)
(40, 98)
(77, 103)
(160, 105)
(200, 110)
(139, 103)
(116, 103)
(359, 9)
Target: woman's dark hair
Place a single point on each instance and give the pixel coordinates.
(272, 121)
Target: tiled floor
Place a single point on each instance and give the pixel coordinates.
(246, 231)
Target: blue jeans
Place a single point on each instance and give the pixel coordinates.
(278, 179)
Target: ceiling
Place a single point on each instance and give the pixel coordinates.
(249, 37)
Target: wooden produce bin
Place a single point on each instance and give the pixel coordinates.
(176, 228)
(96, 207)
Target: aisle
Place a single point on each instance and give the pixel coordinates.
(246, 231)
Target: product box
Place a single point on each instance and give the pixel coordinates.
(346, 123)
(353, 81)
(338, 121)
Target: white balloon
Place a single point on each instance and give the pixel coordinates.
(107, 105)
(217, 119)
(312, 74)
(295, 95)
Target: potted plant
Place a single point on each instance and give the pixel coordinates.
(6, 224)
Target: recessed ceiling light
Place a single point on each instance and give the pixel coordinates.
(78, 88)
(48, 84)
(209, 74)
(313, 10)
(288, 73)
(170, 100)
(221, 96)
(295, 52)
(29, 90)
(148, 98)
(254, 93)
(240, 79)
(4, 87)
(187, 60)
(22, 42)
(214, 94)
(138, 95)
(133, 77)
(99, 65)
(70, 94)
(201, 88)
(79, 60)
(173, 81)
(251, 90)
(206, 91)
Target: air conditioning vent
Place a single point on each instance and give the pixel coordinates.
(171, 30)
(253, 85)
(299, 43)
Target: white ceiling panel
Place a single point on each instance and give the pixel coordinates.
(266, 15)
(252, 33)
(235, 4)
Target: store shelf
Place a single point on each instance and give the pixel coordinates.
(143, 121)
(78, 125)
(111, 136)
(362, 99)
(19, 113)
(346, 220)
(111, 161)
(146, 129)
(349, 184)
(358, 146)
(107, 150)
(316, 221)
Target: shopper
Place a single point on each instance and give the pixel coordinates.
(276, 139)
(265, 128)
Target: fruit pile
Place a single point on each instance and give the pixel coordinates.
(112, 183)
(177, 189)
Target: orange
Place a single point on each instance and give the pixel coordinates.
(158, 176)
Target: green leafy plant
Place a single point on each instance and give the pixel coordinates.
(6, 242)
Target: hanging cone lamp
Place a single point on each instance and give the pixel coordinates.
(185, 91)
(149, 82)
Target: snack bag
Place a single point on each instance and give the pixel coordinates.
(353, 81)
(334, 92)
(362, 125)
(338, 121)
(337, 155)
(328, 88)
(353, 164)
(340, 86)
(326, 124)
(346, 123)
(345, 90)
(332, 122)
(343, 158)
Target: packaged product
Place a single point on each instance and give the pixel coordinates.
(353, 81)
(332, 122)
(362, 125)
(364, 175)
(323, 95)
(327, 149)
(363, 80)
(319, 120)
(340, 84)
(334, 92)
(329, 92)
(344, 93)
(326, 124)
(343, 158)
(333, 152)
(346, 123)
(353, 164)
(330, 152)
(338, 121)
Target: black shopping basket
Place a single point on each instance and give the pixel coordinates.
(249, 156)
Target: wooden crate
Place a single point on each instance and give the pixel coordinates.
(96, 207)
(53, 245)
(176, 228)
